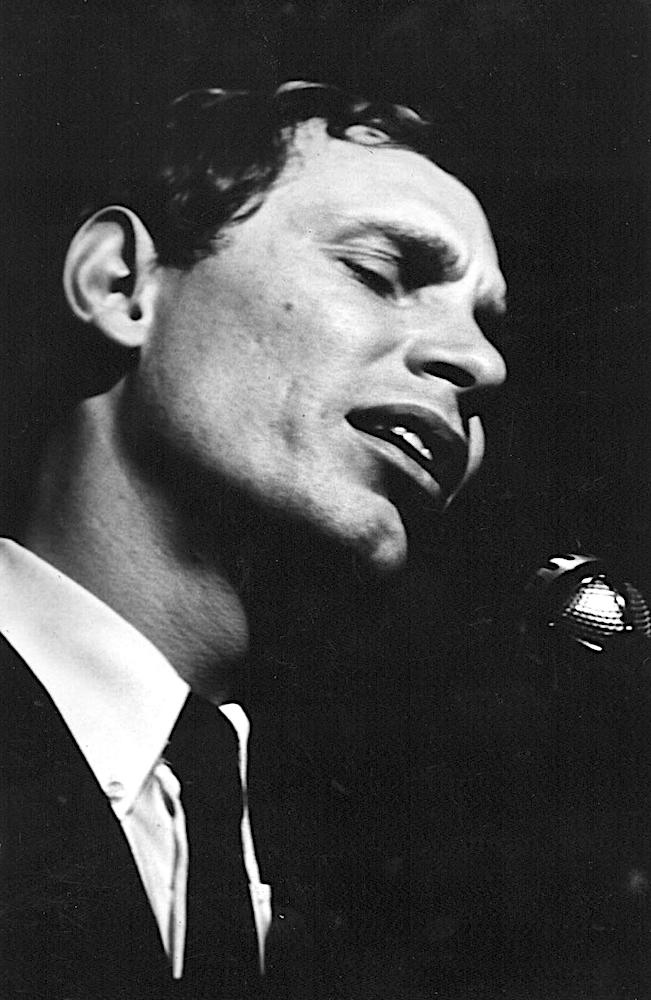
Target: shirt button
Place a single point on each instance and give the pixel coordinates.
(115, 790)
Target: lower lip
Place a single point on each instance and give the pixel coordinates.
(406, 464)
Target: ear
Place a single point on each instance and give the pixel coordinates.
(109, 275)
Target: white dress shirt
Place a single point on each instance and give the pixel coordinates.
(120, 698)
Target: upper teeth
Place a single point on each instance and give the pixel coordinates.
(413, 440)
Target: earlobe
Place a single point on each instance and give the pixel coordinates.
(109, 275)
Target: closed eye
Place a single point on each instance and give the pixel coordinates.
(378, 282)
(414, 265)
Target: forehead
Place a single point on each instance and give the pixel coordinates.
(330, 185)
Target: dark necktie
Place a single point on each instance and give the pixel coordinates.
(221, 947)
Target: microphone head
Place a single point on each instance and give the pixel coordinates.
(575, 600)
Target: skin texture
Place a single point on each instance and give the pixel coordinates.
(251, 365)
(263, 350)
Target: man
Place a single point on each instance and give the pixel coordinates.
(298, 296)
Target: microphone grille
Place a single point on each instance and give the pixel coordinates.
(594, 612)
(639, 610)
(577, 597)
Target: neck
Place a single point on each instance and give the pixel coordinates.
(104, 523)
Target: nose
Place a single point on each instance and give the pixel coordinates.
(459, 353)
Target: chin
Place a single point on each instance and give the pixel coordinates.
(383, 546)
(373, 532)
(388, 559)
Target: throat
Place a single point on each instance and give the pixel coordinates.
(97, 525)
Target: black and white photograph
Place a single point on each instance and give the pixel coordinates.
(325, 500)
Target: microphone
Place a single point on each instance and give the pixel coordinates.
(576, 603)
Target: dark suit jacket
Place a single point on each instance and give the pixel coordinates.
(75, 922)
(565, 912)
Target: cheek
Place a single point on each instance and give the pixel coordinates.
(277, 364)
(290, 423)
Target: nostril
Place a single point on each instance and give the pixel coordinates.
(458, 376)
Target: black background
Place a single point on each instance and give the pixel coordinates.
(437, 791)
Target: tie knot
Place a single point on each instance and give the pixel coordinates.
(203, 744)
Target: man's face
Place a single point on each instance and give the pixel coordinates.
(327, 360)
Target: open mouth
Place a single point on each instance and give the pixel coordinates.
(422, 436)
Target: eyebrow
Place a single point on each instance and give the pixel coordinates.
(430, 259)
(432, 255)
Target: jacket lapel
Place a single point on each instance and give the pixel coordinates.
(74, 918)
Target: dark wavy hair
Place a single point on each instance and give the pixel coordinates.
(223, 150)
(191, 173)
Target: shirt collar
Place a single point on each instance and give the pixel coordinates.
(117, 693)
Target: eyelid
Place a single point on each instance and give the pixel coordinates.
(375, 279)
(371, 253)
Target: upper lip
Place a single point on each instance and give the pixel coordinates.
(436, 447)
